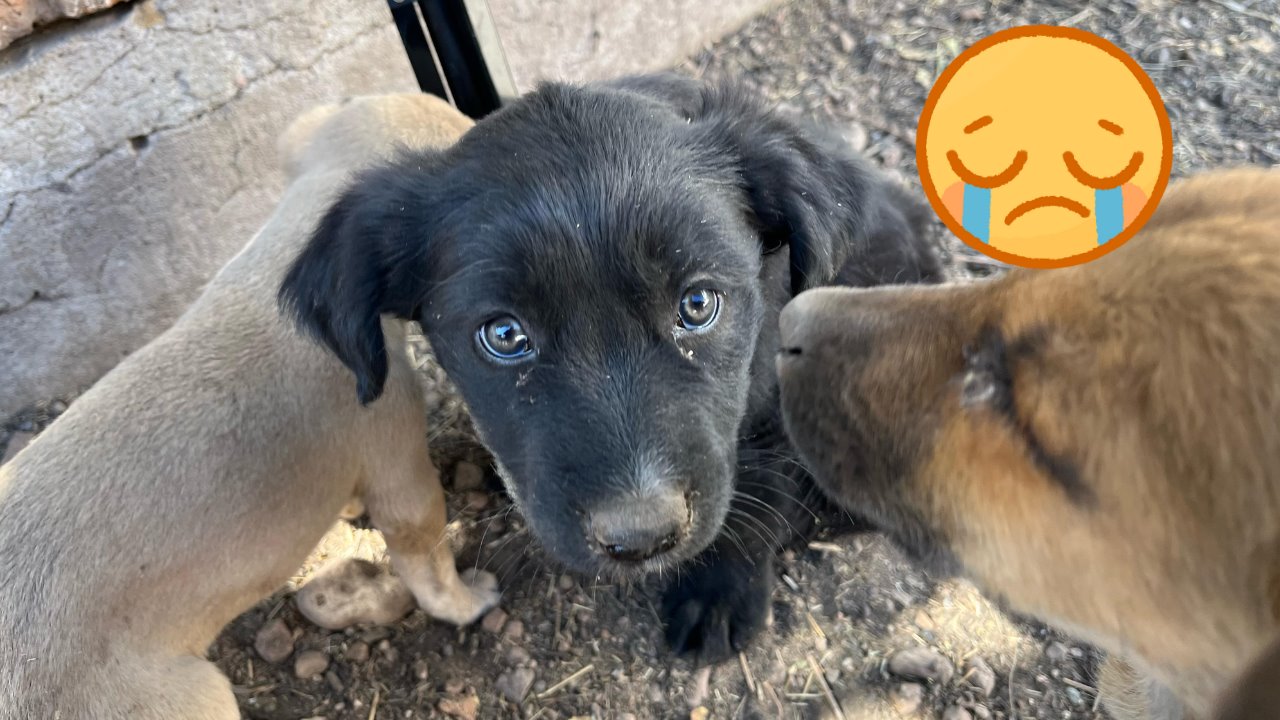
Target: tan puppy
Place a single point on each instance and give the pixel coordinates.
(194, 478)
(1098, 445)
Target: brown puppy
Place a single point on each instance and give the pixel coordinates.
(1256, 694)
(1097, 445)
(194, 478)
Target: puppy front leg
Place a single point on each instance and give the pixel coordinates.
(716, 606)
(409, 509)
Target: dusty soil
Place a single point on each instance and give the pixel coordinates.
(844, 606)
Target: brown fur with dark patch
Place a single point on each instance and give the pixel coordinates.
(1119, 474)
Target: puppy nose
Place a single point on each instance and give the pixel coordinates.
(795, 324)
(640, 528)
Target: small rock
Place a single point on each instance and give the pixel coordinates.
(955, 712)
(389, 652)
(1056, 652)
(1074, 696)
(655, 694)
(335, 682)
(357, 652)
(906, 698)
(981, 712)
(494, 620)
(922, 663)
(517, 655)
(466, 707)
(981, 676)
(514, 631)
(515, 684)
(847, 43)
(565, 583)
(353, 591)
(973, 13)
(274, 641)
(421, 670)
(467, 476)
(477, 500)
(310, 663)
(891, 154)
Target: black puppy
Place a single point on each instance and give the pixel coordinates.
(599, 270)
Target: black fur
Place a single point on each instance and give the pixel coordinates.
(586, 212)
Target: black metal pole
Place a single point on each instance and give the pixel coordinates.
(417, 48)
(446, 56)
(465, 71)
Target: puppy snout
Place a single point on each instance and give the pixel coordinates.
(801, 322)
(641, 528)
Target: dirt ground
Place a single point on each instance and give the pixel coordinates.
(575, 647)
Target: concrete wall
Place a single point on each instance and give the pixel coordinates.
(137, 147)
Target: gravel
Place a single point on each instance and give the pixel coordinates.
(922, 663)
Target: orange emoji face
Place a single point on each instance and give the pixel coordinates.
(1044, 146)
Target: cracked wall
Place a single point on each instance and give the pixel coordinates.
(137, 147)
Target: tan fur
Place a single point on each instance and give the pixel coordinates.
(194, 478)
(1155, 371)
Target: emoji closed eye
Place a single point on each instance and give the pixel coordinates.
(970, 177)
(1102, 183)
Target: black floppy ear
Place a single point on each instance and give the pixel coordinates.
(842, 220)
(364, 260)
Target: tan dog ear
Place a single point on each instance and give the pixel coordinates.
(366, 258)
(1256, 694)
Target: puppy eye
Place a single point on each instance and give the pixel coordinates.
(986, 380)
(698, 309)
(504, 339)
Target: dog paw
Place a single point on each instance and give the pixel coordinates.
(480, 581)
(712, 613)
(484, 590)
(353, 591)
(479, 595)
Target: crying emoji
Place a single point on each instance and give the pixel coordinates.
(1044, 146)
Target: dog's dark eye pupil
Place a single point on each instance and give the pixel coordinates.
(699, 308)
(504, 338)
